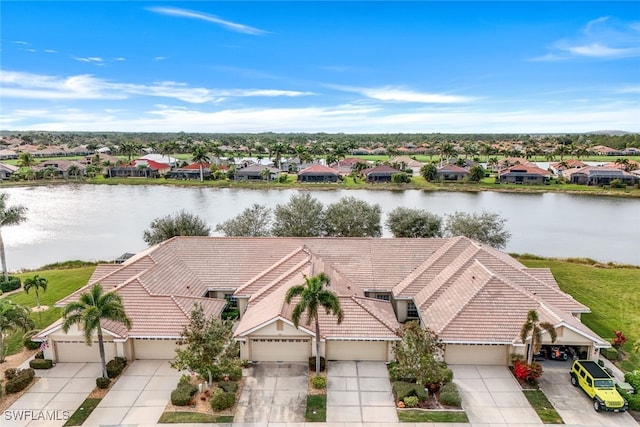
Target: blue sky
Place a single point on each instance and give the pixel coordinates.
(353, 67)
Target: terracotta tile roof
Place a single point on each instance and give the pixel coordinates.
(379, 169)
(319, 169)
(453, 168)
(467, 291)
(528, 169)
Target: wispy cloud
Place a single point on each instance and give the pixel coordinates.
(159, 58)
(401, 94)
(601, 38)
(85, 86)
(184, 13)
(96, 60)
(50, 51)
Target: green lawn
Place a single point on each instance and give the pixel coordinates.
(415, 416)
(83, 412)
(611, 293)
(61, 282)
(193, 417)
(543, 407)
(316, 408)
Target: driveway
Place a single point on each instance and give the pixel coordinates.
(273, 392)
(490, 395)
(359, 392)
(138, 397)
(54, 397)
(573, 405)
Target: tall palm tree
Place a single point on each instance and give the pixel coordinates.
(9, 215)
(534, 328)
(36, 283)
(89, 310)
(200, 155)
(26, 160)
(12, 318)
(313, 295)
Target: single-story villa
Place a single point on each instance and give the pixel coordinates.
(257, 173)
(318, 173)
(452, 173)
(524, 174)
(380, 173)
(474, 297)
(191, 171)
(6, 170)
(599, 175)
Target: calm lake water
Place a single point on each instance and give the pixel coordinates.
(100, 222)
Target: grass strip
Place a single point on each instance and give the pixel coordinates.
(82, 413)
(543, 407)
(316, 408)
(415, 416)
(193, 417)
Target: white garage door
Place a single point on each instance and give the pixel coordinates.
(476, 354)
(357, 350)
(154, 349)
(78, 351)
(280, 349)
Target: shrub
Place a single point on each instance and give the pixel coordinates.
(619, 340)
(319, 382)
(11, 284)
(403, 389)
(30, 345)
(234, 373)
(411, 401)
(181, 396)
(10, 373)
(633, 378)
(115, 366)
(229, 386)
(601, 363)
(633, 399)
(41, 363)
(398, 374)
(312, 363)
(39, 355)
(184, 379)
(102, 382)
(528, 373)
(449, 395)
(20, 381)
(610, 353)
(616, 183)
(222, 400)
(400, 178)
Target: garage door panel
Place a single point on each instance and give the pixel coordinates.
(280, 350)
(78, 351)
(357, 350)
(154, 349)
(476, 354)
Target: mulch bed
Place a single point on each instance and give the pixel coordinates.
(200, 402)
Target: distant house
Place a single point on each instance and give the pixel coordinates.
(8, 154)
(140, 168)
(191, 171)
(452, 173)
(257, 173)
(598, 175)
(559, 167)
(318, 173)
(380, 173)
(159, 158)
(524, 174)
(62, 167)
(7, 170)
(513, 161)
(407, 162)
(603, 150)
(294, 164)
(345, 166)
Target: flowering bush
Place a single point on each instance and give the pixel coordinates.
(528, 373)
(619, 340)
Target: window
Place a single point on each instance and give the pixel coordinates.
(412, 311)
(383, 297)
(231, 300)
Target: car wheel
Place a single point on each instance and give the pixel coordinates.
(596, 405)
(574, 381)
(565, 356)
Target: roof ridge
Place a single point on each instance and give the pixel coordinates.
(273, 267)
(279, 279)
(356, 298)
(134, 260)
(424, 265)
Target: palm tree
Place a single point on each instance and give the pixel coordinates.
(200, 155)
(26, 160)
(313, 295)
(9, 215)
(36, 283)
(533, 328)
(74, 170)
(89, 310)
(12, 318)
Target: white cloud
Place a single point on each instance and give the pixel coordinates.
(90, 59)
(159, 58)
(400, 94)
(183, 13)
(596, 50)
(50, 51)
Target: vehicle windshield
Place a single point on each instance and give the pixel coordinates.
(604, 383)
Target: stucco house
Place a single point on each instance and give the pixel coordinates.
(599, 175)
(452, 173)
(475, 297)
(6, 170)
(380, 173)
(318, 173)
(524, 174)
(257, 173)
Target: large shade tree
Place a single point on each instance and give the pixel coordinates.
(533, 327)
(9, 215)
(36, 283)
(303, 216)
(313, 297)
(406, 222)
(351, 217)
(90, 310)
(179, 224)
(13, 317)
(484, 227)
(254, 221)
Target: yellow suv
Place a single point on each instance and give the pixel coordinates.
(598, 385)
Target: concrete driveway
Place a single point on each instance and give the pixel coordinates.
(273, 393)
(573, 405)
(138, 397)
(359, 392)
(54, 397)
(490, 395)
